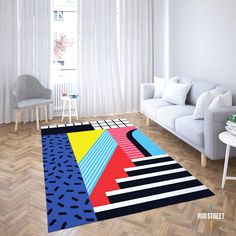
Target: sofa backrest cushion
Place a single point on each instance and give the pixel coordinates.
(198, 87)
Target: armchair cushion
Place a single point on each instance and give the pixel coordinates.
(33, 102)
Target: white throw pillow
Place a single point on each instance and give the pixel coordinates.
(222, 100)
(204, 101)
(160, 85)
(176, 93)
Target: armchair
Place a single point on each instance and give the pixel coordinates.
(29, 94)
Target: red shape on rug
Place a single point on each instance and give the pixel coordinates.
(107, 181)
(120, 135)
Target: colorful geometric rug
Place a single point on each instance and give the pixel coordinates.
(104, 169)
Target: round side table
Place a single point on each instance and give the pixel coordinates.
(230, 141)
(70, 101)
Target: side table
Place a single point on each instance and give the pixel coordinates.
(70, 101)
(230, 141)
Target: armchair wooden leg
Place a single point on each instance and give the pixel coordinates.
(147, 121)
(24, 118)
(203, 160)
(17, 120)
(37, 117)
(46, 114)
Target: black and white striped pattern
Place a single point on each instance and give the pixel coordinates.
(101, 124)
(110, 124)
(155, 181)
(83, 126)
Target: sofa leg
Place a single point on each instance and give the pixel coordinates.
(203, 160)
(147, 121)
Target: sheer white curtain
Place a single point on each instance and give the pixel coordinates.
(115, 54)
(136, 49)
(34, 41)
(99, 77)
(8, 57)
(24, 47)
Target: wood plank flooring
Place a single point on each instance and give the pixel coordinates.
(22, 196)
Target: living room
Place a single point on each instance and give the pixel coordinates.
(117, 117)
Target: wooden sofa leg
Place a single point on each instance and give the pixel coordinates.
(147, 121)
(203, 160)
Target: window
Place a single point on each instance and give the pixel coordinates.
(64, 49)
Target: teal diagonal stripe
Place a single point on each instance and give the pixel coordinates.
(96, 159)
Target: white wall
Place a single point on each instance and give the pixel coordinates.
(203, 40)
(161, 38)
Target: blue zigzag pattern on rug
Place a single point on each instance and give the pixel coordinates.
(92, 168)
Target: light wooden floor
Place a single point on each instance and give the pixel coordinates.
(22, 196)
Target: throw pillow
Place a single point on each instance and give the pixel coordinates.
(204, 101)
(222, 100)
(176, 93)
(160, 85)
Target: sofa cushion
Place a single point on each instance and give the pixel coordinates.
(150, 106)
(191, 129)
(198, 87)
(168, 114)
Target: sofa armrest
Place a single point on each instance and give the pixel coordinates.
(214, 124)
(146, 91)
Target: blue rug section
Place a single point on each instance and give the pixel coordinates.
(152, 148)
(68, 202)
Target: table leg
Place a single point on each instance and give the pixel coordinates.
(225, 165)
(25, 116)
(76, 112)
(37, 117)
(70, 111)
(63, 109)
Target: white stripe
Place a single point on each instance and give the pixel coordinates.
(52, 126)
(147, 186)
(148, 198)
(150, 166)
(144, 176)
(76, 123)
(61, 125)
(44, 127)
(85, 123)
(93, 122)
(150, 158)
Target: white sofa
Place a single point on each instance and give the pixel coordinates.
(200, 134)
